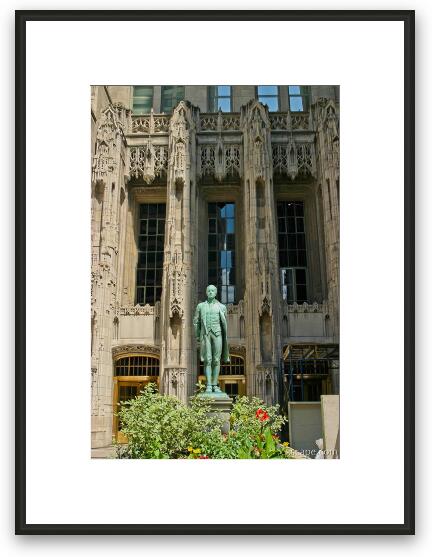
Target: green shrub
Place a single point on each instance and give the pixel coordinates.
(159, 426)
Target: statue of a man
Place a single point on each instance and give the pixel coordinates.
(210, 326)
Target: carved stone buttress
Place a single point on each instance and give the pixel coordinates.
(107, 180)
(262, 300)
(178, 362)
(328, 176)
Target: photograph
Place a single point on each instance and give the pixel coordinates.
(215, 271)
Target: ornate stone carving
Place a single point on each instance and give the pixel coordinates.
(230, 122)
(315, 307)
(177, 277)
(108, 138)
(147, 309)
(151, 124)
(299, 121)
(175, 379)
(239, 349)
(232, 160)
(293, 159)
(278, 121)
(147, 161)
(141, 124)
(135, 349)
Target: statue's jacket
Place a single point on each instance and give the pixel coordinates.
(200, 323)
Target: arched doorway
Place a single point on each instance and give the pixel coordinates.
(132, 372)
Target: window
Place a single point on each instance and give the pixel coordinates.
(142, 99)
(171, 96)
(235, 366)
(151, 235)
(219, 98)
(137, 366)
(292, 251)
(221, 249)
(269, 95)
(299, 98)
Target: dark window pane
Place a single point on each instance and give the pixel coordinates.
(290, 209)
(299, 208)
(159, 259)
(141, 277)
(140, 295)
(301, 294)
(230, 245)
(302, 258)
(212, 226)
(292, 241)
(300, 224)
(283, 259)
(142, 243)
(291, 225)
(159, 243)
(292, 258)
(212, 242)
(150, 252)
(301, 276)
(301, 244)
(281, 225)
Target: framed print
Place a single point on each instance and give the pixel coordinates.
(215, 262)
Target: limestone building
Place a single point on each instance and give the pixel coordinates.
(237, 186)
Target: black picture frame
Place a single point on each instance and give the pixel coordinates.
(21, 526)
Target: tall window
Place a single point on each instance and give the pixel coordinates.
(142, 99)
(221, 249)
(292, 251)
(150, 252)
(299, 97)
(220, 98)
(269, 95)
(171, 95)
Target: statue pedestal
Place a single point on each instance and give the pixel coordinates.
(220, 406)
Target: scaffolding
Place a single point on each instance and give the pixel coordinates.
(307, 371)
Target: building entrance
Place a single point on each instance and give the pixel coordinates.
(131, 374)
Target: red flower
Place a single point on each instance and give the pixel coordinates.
(262, 415)
(203, 456)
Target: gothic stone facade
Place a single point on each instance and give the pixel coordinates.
(181, 163)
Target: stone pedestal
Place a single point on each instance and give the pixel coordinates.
(220, 407)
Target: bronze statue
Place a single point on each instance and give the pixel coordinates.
(210, 324)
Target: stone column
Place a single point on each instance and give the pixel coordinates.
(328, 175)
(107, 180)
(262, 296)
(178, 354)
